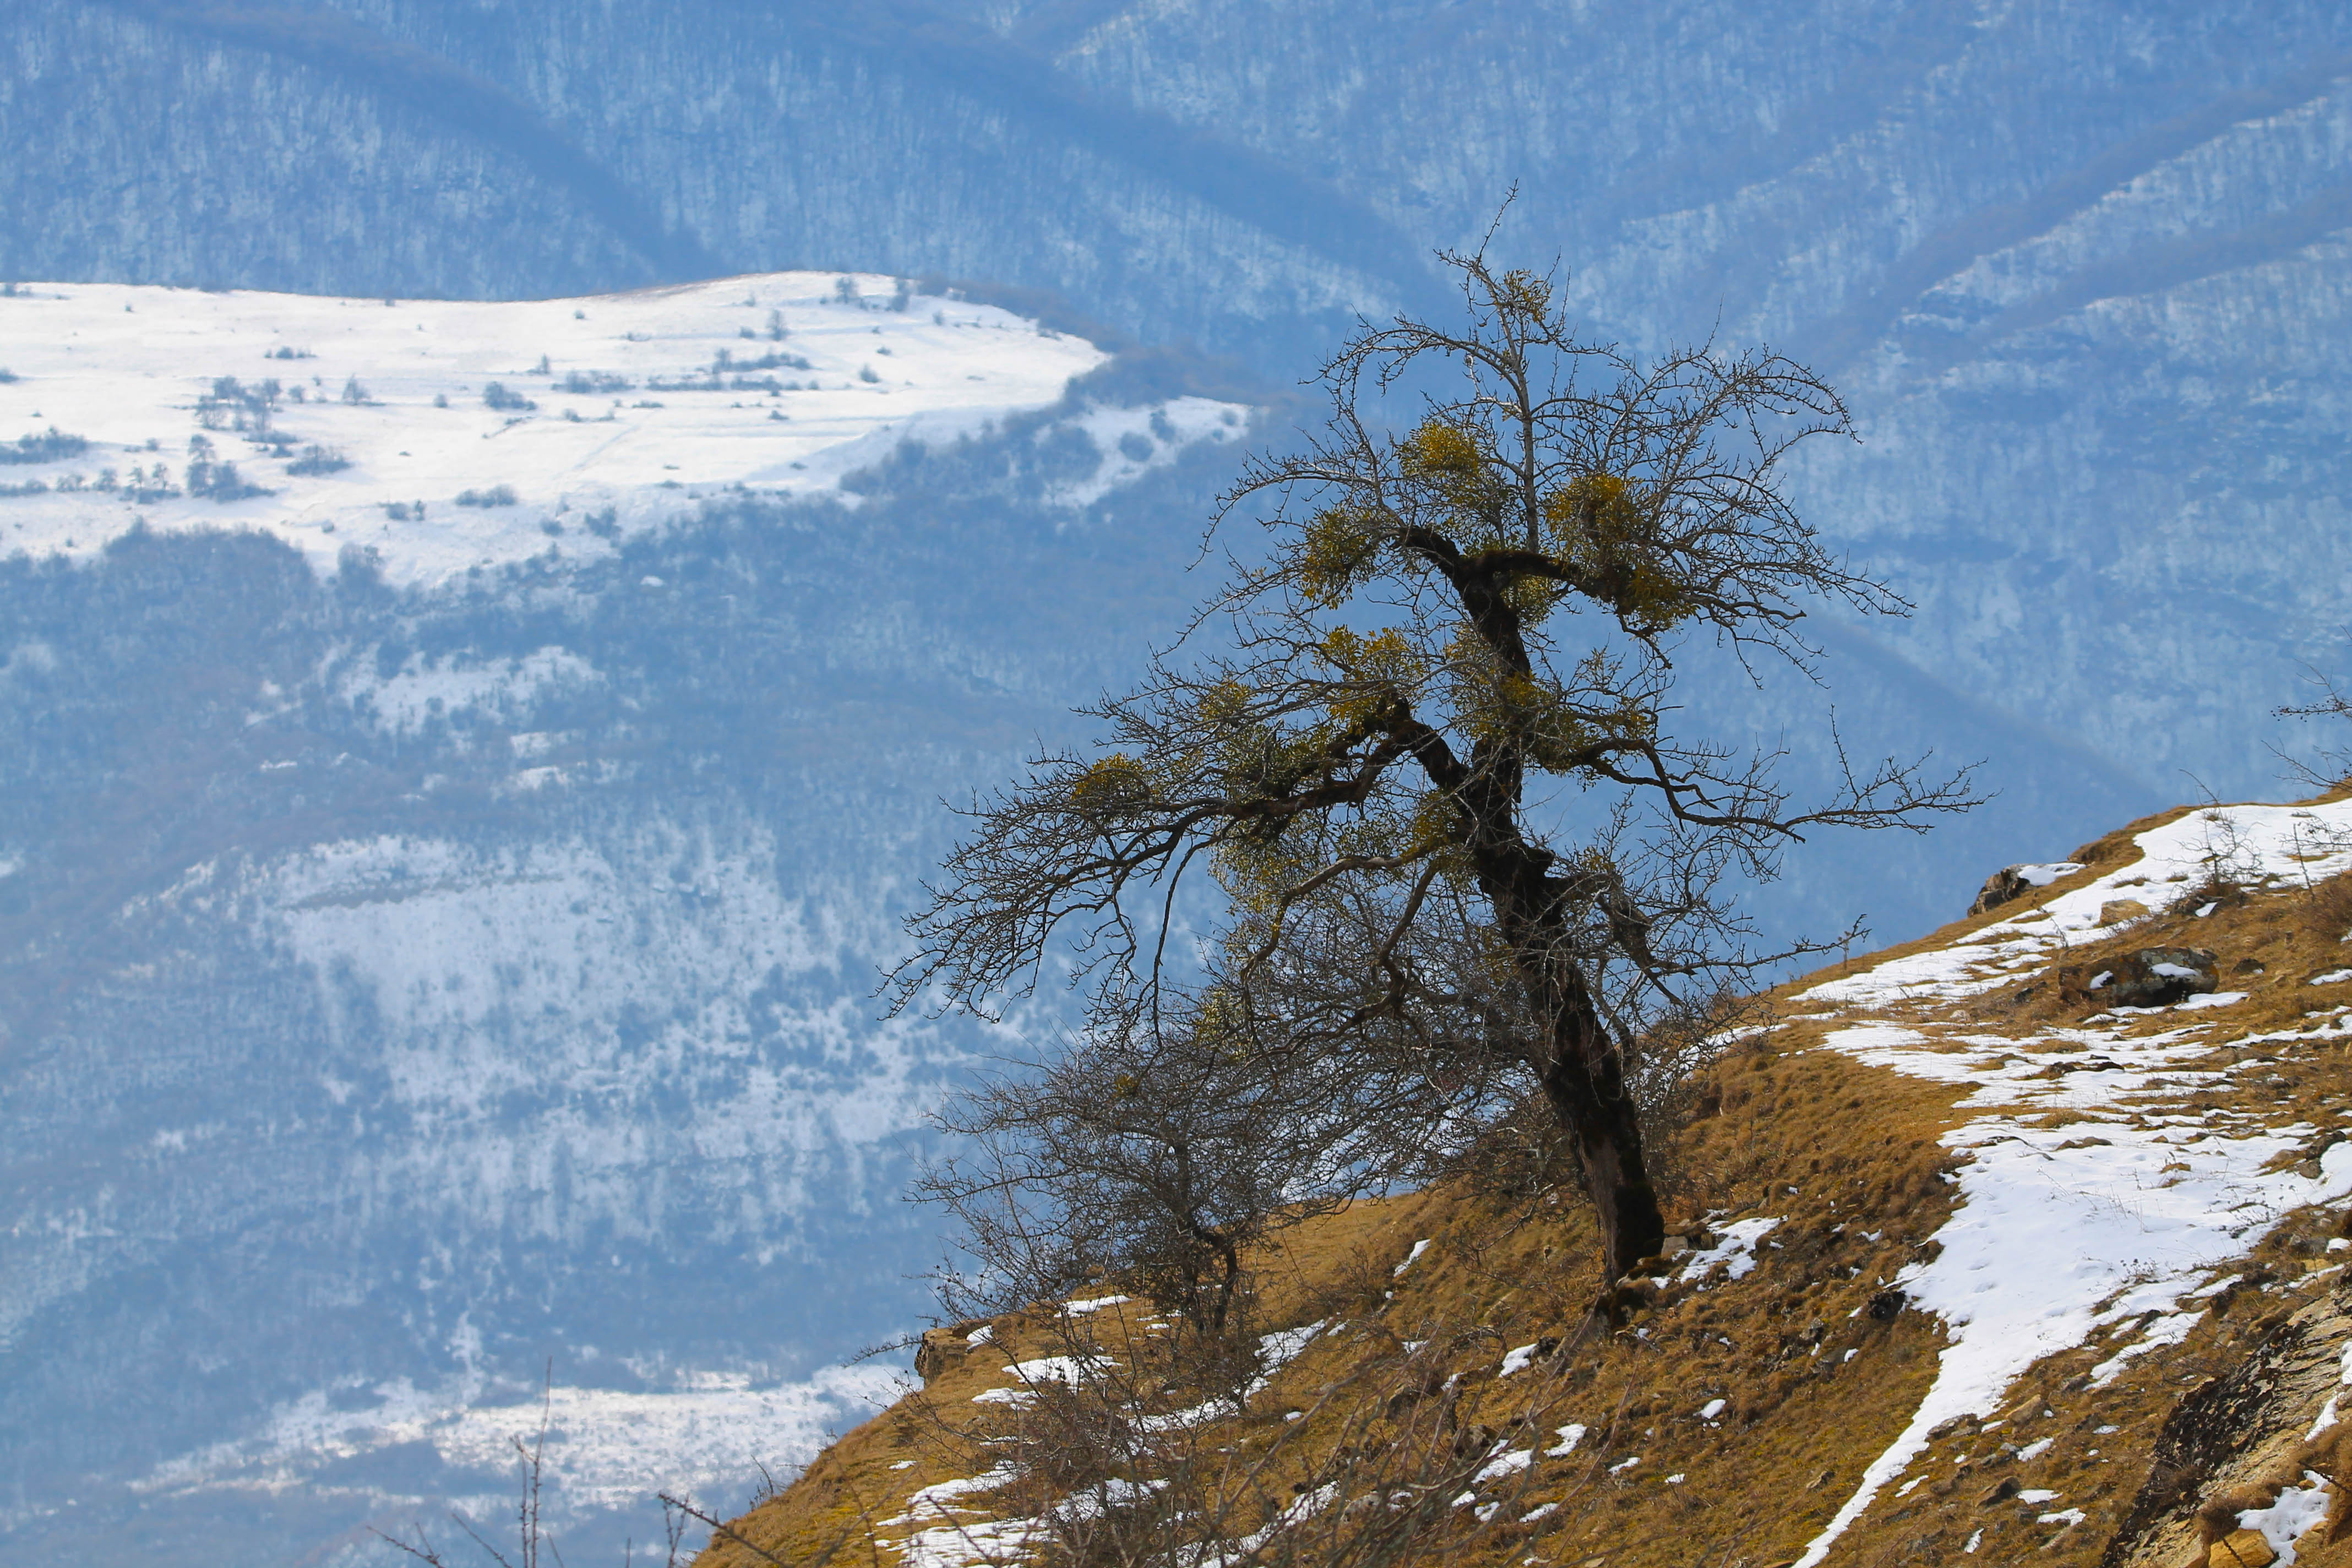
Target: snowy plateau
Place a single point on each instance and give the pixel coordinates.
(465, 763)
(622, 409)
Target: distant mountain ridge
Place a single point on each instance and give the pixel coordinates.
(2077, 263)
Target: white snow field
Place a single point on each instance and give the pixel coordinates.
(2140, 1203)
(639, 403)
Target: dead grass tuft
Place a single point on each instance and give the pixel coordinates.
(2329, 903)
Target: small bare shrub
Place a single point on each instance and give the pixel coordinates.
(1123, 1463)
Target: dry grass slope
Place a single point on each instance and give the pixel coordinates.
(1771, 1367)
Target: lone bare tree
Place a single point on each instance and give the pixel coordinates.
(1432, 771)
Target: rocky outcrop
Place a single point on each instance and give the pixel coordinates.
(2237, 1444)
(2151, 977)
(2011, 883)
(944, 1348)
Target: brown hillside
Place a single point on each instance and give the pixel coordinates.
(1993, 1274)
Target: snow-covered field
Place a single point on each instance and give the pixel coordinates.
(573, 1034)
(405, 425)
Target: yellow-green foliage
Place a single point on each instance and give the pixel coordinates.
(1600, 527)
(1257, 761)
(1115, 783)
(1524, 293)
(1444, 455)
(1339, 552)
(1379, 669)
(1533, 598)
(1267, 762)
(1255, 867)
(1438, 826)
(1538, 713)
(1222, 704)
(1260, 759)
(1448, 462)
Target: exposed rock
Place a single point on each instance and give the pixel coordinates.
(1474, 1439)
(2014, 882)
(945, 1348)
(2151, 977)
(2115, 911)
(2234, 1441)
(2242, 1549)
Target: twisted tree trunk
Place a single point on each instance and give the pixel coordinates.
(1585, 1083)
(1580, 1066)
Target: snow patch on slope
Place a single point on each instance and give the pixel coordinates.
(536, 999)
(2251, 844)
(423, 688)
(1134, 441)
(2125, 1211)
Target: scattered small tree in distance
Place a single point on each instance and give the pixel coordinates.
(1164, 1158)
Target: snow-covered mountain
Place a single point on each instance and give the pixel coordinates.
(2078, 262)
(438, 940)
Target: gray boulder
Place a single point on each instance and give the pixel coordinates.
(2151, 977)
(2011, 883)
